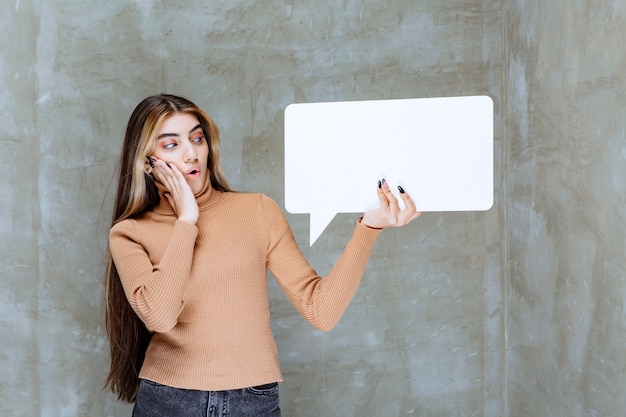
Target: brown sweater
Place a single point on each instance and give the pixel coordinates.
(202, 290)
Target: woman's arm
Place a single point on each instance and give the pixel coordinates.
(322, 301)
(156, 291)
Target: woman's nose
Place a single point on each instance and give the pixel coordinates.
(190, 153)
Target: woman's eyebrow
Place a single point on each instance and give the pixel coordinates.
(166, 135)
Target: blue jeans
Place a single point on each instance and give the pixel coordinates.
(156, 400)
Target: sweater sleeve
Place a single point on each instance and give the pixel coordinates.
(156, 291)
(321, 301)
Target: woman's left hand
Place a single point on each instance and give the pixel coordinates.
(389, 214)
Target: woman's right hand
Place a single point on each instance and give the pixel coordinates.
(173, 186)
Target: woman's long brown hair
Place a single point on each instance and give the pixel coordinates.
(136, 194)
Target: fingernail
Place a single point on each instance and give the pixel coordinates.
(400, 189)
(150, 161)
(380, 184)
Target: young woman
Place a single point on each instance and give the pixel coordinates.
(187, 308)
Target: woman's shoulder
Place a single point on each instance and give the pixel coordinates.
(130, 225)
(250, 197)
(124, 224)
(255, 201)
(124, 228)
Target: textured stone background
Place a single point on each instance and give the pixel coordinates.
(565, 188)
(516, 311)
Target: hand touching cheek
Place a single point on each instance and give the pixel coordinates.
(173, 186)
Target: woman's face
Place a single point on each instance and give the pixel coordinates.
(181, 142)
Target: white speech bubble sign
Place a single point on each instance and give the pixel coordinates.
(440, 150)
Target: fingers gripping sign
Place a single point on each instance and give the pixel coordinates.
(389, 213)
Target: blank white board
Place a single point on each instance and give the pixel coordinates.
(440, 150)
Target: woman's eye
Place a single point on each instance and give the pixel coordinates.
(169, 145)
(197, 139)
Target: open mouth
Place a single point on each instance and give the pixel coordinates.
(194, 173)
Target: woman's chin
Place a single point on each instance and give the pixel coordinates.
(196, 184)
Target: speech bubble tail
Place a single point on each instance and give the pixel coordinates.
(319, 221)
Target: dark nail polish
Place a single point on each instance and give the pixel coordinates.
(400, 189)
(380, 184)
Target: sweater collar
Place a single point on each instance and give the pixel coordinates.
(206, 197)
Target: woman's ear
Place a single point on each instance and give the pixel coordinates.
(148, 165)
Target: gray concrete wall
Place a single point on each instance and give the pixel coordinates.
(424, 335)
(565, 170)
